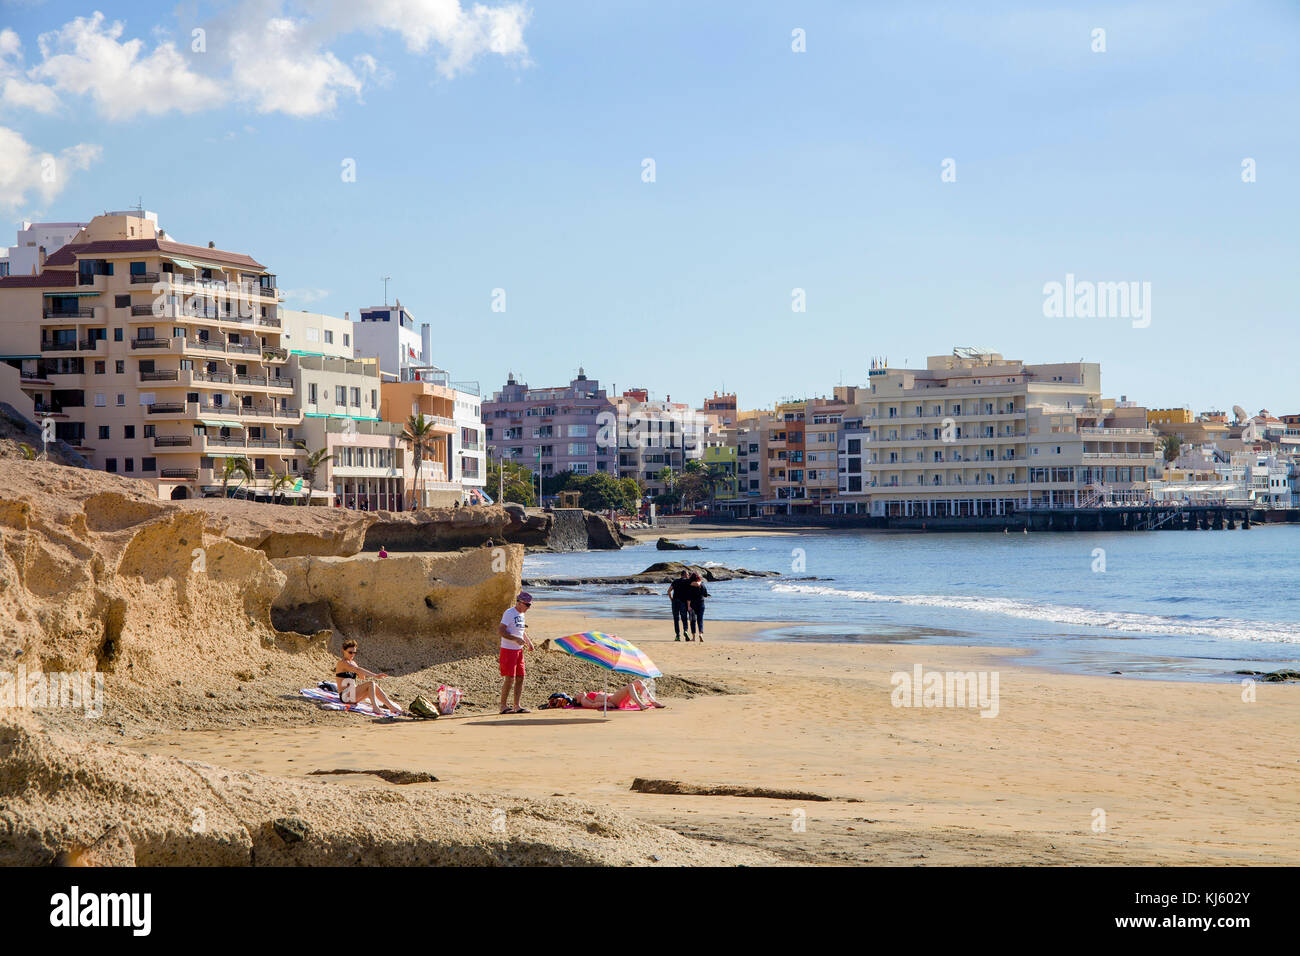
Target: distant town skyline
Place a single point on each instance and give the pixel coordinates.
(650, 191)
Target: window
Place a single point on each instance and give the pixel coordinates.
(311, 393)
(347, 339)
(110, 464)
(128, 431)
(356, 397)
(99, 368)
(129, 464)
(120, 368)
(117, 335)
(580, 467)
(121, 301)
(329, 337)
(149, 432)
(578, 448)
(103, 432)
(577, 431)
(374, 398)
(100, 401)
(313, 335)
(340, 395)
(121, 400)
(148, 464)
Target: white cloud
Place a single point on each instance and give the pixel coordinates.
(24, 170)
(279, 68)
(256, 53)
(459, 35)
(15, 88)
(88, 56)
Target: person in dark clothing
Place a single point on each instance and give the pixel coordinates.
(678, 593)
(697, 593)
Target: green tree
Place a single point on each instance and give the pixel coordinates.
(1171, 445)
(309, 469)
(236, 467)
(278, 483)
(519, 485)
(554, 484)
(418, 435)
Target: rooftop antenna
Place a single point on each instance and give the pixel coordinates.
(385, 279)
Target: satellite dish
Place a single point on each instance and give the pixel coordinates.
(1240, 413)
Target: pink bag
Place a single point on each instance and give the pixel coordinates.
(448, 698)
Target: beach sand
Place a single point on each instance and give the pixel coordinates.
(1183, 772)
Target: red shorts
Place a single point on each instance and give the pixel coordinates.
(512, 662)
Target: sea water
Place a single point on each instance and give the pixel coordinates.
(1196, 604)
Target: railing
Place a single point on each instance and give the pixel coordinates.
(145, 310)
(68, 313)
(216, 377)
(273, 323)
(165, 408)
(150, 343)
(140, 278)
(89, 344)
(1116, 431)
(49, 346)
(172, 441)
(191, 473)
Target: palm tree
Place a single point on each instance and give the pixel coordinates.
(236, 467)
(309, 469)
(712, 477)
(418, 433)
(278, 483)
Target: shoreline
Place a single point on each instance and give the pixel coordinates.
(937, 786)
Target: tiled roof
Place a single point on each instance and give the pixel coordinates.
(69, 253)
(47, 279)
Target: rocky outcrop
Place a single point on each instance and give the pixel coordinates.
(661, 572)
(282, 530)
(437, 529)
(563, 529)
(663, 544)
(454, 600)
(72, 802)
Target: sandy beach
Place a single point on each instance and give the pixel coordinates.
(1071, 770)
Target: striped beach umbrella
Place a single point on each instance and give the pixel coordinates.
(610, 652)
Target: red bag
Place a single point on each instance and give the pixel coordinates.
(448, 698)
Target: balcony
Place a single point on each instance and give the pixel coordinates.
(173, 441)
(140, 278)
(150, 343)
(89, 345)
(164, 376)
(68, 313)
(185, 474)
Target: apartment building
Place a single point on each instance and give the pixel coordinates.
(975, 434)
(154, 358)
(822, 425)
(390, 333)
(654, 435)
(723, 407)
(720, 454)
(551, 430)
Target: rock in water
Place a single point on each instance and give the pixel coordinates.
(663, 544)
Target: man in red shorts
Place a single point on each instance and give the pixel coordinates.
(514, 638)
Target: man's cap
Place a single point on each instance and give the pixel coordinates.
(525, 597)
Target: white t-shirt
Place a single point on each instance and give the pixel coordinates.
(514, 623)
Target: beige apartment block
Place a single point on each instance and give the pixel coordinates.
(975, 434)
(154, 358)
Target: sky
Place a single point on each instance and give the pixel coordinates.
(652, 190)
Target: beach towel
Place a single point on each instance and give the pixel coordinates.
(329, 701)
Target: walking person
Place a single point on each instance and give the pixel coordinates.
(697, 593)
(514, 638)
(679, 594)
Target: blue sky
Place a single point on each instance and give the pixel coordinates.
(503, 148)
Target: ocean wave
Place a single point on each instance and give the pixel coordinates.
(1238, 630)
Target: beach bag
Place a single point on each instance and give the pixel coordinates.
(422, 707)
(448, 698)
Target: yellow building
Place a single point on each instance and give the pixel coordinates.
(156, 359)
(1169, 416)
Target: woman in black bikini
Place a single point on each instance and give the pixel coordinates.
(347, 672)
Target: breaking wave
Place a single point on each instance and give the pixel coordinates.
(1237, 630)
